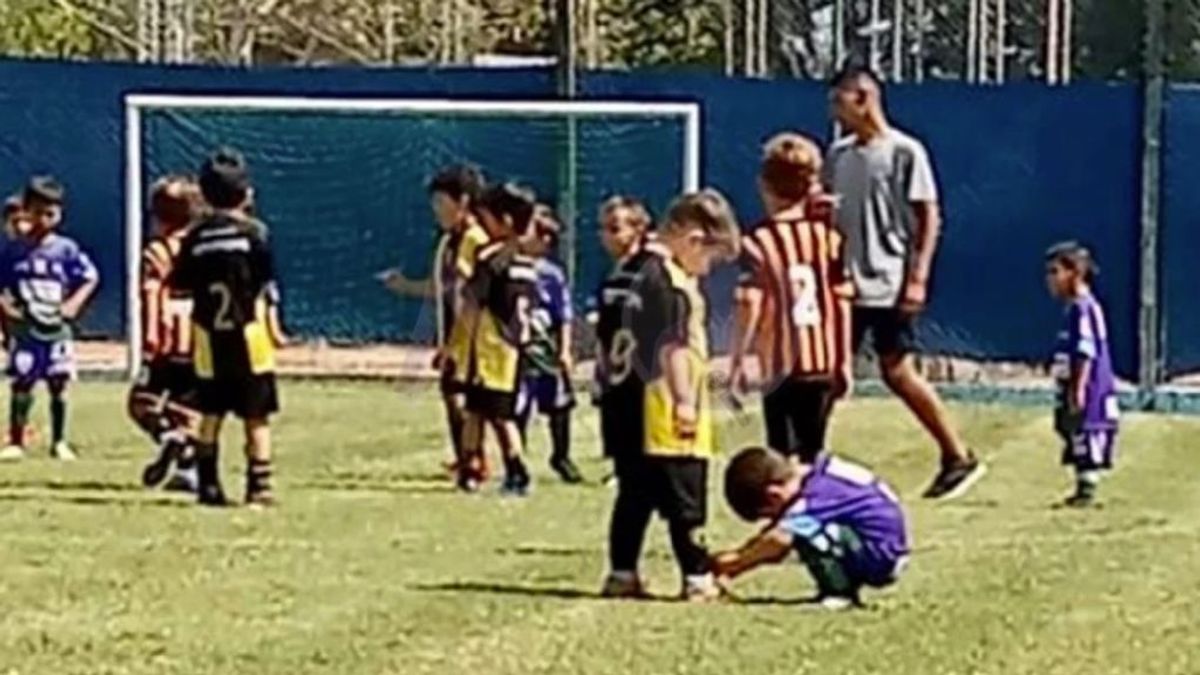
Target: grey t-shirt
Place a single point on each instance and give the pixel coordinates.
(877, 184)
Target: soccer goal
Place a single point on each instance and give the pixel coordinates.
(341, 183)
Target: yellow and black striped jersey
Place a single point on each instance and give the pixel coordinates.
(504, 292)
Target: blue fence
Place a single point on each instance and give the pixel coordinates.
(1020, 167)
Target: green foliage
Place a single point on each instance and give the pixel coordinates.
(44, 28)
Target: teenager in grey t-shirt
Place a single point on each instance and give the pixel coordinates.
(887, 209)
(878, 182)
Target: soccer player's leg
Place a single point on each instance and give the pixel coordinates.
(681, 486)
(1091, 454)
(556, 397)
(60, 370)
(165, 417)
(213, 399)
(454, 403)
(895, 342)
(627, 528)
(259, 401)
(778, 403)
(27, 366)
(827, 552)
(813, 404)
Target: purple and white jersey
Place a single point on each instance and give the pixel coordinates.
(41, 276)
(845, 494)
(1084, 337)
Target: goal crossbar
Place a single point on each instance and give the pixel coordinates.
(136, 103)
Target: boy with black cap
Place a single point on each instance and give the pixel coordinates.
(225, 265)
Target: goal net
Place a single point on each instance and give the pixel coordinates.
(341, 183)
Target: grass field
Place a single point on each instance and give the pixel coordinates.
(372, 565)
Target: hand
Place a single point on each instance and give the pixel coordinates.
(843, 383)
(914, 297)
(739, 380)
(392, 279)
(722, 563)
(567, 363)
(439, 359)
(686, 420)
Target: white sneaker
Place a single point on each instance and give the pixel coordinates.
(63, 452)
(12, 453)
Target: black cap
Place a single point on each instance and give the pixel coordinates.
(224, 179)
(45, 189)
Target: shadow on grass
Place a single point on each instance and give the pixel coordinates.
(484, 588)
(161, 500)
(546, 551)
(71, 486)
(427, 487)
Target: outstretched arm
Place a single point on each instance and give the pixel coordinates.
(768, 548)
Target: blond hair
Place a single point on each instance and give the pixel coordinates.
(637, 210)
(709, 211)
(791, 165)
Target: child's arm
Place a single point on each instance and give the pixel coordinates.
(395, 281)
(1081, 371)
(682, 385)
(9, 305)
(748, 305)
(768, 548)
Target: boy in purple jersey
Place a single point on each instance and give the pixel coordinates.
(47, 280)
(548, 356)
(845, 524)
(1087, 413)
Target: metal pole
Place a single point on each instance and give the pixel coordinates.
(919, 43)
(839, 34)
(730, 31)
(873, 43)
(897, 40)
(1064, 61)
(565, 34)
(748, 37)
(1001, 39)
(972, 39)
(1052, 14)
(133, 238)
(764, 20)
(389, 32)
(981, 51)
(1152, 331)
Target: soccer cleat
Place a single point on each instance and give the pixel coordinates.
(954, 480)
(623, 588)
(62, 452)
(702, 590)
(1080, 500)
(838, 603)
(516, 484)
(567, 471)
(169, 451)
(183, 480)
(12, 453)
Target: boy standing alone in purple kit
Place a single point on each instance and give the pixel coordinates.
(1087, 413)
(47, 280)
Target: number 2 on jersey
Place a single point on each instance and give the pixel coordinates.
(221, 319)
(805, 309)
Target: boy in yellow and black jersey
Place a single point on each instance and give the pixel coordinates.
(655, 410)
(225, 265)
(501, 294)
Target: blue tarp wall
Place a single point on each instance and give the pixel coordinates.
(1020, 167)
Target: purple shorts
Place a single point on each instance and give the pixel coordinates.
(549, 393)
(1091, 450)
(31, 360)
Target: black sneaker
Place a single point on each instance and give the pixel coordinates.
(168, 454)
(567, 471)
(954, 480)
(1080, 500)
(211, 495)
(516, 483)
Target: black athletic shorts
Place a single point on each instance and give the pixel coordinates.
(174, 379)
(491, 404)
(797, 416)
(893, 333)
(674, 487)
(250, 397)
(451, 385)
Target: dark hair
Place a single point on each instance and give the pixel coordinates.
(173, 200)
(224, 179)
(749, 475)
(547, 222)
(458, 181)
(44, 189)
(512, 201)
(1076, 257)
(641, 215)
(852, 73)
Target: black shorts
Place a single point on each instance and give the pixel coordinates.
(674, 487)
(797, 416)
(893, 333)
(451, 386)
(491, 404)
(622, 426)
(250, 397)
(173, 379)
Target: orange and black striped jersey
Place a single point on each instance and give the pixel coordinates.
(166, 310)
(798, 265)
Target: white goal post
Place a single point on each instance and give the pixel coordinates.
(137, 103)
